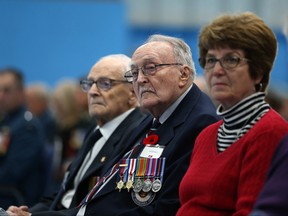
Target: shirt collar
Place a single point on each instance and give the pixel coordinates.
(171, 109)
(108, 128)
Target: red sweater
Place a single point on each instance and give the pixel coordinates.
(227, 183)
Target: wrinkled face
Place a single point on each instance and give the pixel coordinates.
(105, 105)
(11, 96)
(157, 92)
(229, 86)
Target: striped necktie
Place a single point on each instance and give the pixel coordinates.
(155, 125)
(92, 140)
(151, 137)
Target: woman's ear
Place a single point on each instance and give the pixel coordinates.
(258, 84)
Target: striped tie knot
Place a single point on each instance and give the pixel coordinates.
(155, 126)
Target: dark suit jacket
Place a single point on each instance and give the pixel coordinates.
(178, 133)
(273, 200)
(17, 166)
(112, 149)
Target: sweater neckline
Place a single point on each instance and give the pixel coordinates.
(239, 119)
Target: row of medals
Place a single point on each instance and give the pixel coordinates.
(140, 184)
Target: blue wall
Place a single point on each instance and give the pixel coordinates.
(50, 40)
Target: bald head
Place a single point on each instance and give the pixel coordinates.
(110, 95)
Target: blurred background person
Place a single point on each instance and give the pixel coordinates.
(201, 83)
(38, 103)
(278, 100)
(22, 162)
(37, 98)
(273, 199)
(230, 159)
(71, 125)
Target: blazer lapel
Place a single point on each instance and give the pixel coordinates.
(74, 167)
(115, 147)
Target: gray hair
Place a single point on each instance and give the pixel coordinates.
(181, 50)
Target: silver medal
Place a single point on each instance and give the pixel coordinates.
(137, 187)
(147, 185)
(156, 185)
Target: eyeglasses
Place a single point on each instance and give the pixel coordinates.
(149, 69)
(227, 62)
(102, 83)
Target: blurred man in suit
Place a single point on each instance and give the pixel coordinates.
(21, 144)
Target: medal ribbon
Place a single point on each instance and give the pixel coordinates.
(122, 167)
(149, 167)
(162, 168)
(106, 177)
(94, 189)
(158, 171)
(131, 168)
(125, 174)
(153, 166)
(141, 167)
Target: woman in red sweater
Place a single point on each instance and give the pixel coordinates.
(231, 157)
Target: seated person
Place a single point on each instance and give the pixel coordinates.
(273, 199)
(113, 104)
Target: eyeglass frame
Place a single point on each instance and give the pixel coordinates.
(221, 61)
(92, 82)
(131, 78)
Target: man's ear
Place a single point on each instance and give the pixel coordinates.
(185, 75)
(132, 98)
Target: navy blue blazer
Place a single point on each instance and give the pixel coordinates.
(273, 199)
(26, 146)
(177, 134)
(113, 148)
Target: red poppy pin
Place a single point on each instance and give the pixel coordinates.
(152, 139)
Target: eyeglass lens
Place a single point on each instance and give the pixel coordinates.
(102, 83)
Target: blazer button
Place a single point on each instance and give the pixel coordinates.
(103, 159)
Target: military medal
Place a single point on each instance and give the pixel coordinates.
(147, 185)
(137, 187)
(131, 169)
(143, 198)
(140, 170)
(156, 185)
(120, 183)
(129, 184)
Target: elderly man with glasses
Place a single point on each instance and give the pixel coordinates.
(114, 106)
(145, 180)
